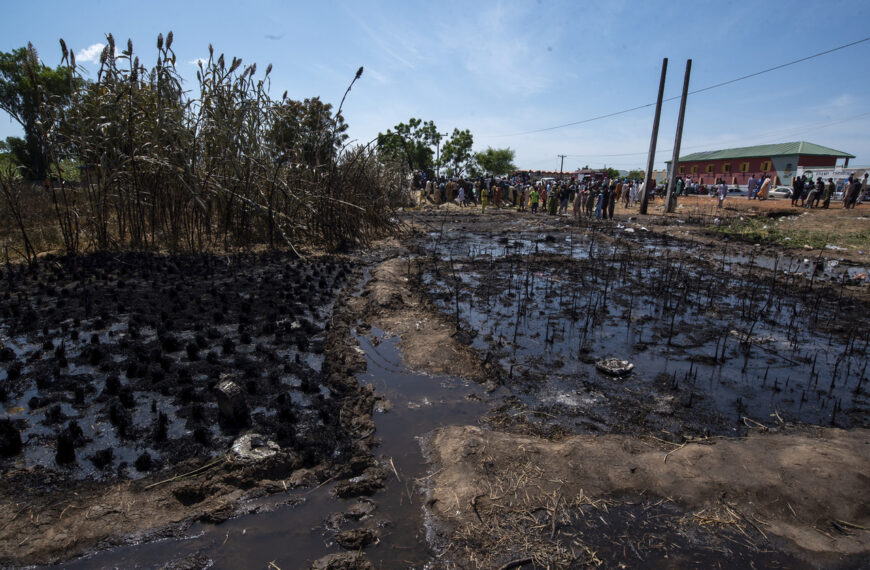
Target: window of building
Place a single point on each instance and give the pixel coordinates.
(744, 167)
(765, 166)
(726, 167)
(710, 168)
(695, 169)
(682, 170)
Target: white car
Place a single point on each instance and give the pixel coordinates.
(780, 192)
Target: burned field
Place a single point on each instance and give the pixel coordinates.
(130, 368)
(735, 431)
(453, 379)
(719, 344)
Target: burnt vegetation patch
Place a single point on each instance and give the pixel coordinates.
(119, 358)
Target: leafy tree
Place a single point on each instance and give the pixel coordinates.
(457, 154)
(411, 144)
(611, 172)
(496, 161)
(307, 132)
(33, 94)
(636, 174)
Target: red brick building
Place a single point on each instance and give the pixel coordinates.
(736, 165)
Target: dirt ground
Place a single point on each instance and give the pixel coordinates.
(506, 497)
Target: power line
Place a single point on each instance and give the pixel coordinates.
(708, 88)
(795, 130)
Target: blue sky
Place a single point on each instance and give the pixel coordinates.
(504, 68)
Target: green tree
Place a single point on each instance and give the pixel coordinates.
(456, 154)
(412, 144)
(636, 174)
(611, 172)
(496, 161)
(34, 94)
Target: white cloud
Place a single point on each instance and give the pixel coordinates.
(90, 53)
(198, 61)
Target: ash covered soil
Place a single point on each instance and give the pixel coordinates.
(121, 372)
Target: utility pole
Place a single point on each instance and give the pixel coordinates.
(675, 161)
(652, 143)
(561, 166)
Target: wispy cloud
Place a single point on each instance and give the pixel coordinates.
(198, 61)
(491, 49)
(397, 47)
(274, 37)
(376, 75)
(90, 54)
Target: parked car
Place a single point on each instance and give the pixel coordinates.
(780, 192)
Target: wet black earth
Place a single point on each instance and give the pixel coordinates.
(718, 347)
(111, 363)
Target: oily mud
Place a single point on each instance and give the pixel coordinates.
(144, 392)
(725, 347)
(714, 350)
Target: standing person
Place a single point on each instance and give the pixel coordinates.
(632, 194)
(679, 186)
(461, 198)
(552, 201)
(864, 188)
(564, 194)
(751, 187)
(484, 198)
(722, 192)
(829, 191)
(860, 190)
(590, 200)
(611, 203)
(534, 196)
(847, 192)
(813, 192)
(764, 189)
(797, 190)
(578, 203)
(599, 202)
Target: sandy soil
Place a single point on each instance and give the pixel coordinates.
(805, 491)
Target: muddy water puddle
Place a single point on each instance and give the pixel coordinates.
(714, 350)
(293, 529)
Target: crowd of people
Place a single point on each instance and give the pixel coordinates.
(593, 197)
(597, 196)
(809, 193)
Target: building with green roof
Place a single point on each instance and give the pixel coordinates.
(780, 161)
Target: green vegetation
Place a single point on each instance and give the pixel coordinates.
(496, 161)
(457, 155)
(411, 145)
(415, 146)
(781, 233)
(35, 96)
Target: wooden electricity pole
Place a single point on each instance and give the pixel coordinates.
(562, 165)
(675, 161)
(652, 143)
